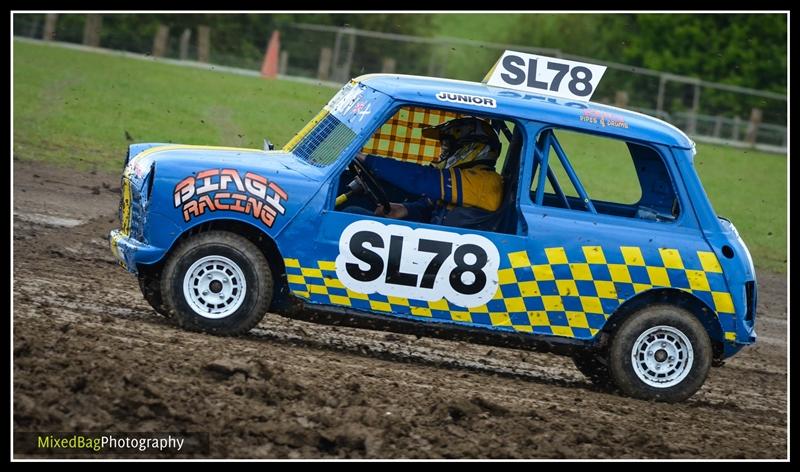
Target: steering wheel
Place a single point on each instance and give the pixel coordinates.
(371, 185)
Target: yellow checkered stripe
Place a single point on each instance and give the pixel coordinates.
(401, 136)
(550, 294)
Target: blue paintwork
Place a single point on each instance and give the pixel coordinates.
(162, 223)
(309, 230)
(556, 111)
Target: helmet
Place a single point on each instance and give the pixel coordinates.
(465, 142)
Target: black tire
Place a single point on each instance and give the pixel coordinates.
(151, 289)
(671, 320)
(254, 298)
(594, 366)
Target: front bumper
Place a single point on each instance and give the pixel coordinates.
(130, 252)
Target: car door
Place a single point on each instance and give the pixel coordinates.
(420, 271)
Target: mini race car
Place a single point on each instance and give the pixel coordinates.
(644, 292)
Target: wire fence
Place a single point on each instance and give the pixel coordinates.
(707, 111)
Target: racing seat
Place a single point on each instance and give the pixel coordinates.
(504, 220)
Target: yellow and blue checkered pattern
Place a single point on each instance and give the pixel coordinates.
(563, 292)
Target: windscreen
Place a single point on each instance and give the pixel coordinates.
(334, 128)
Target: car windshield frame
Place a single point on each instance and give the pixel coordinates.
(340, 123)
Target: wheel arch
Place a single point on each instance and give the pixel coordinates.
(671, 296)
(253, 233)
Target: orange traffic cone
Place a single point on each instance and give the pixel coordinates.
(269, 68)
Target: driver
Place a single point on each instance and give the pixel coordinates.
(461, 188)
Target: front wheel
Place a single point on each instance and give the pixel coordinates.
(594, 366)
(150, 286)
(660, 353)
(217, 282)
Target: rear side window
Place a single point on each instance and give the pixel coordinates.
(608, 176)
(599, 162)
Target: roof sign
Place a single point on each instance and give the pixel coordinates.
(545, 75)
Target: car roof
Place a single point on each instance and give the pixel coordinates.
(560, 112)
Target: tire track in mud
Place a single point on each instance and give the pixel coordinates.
(277, 328)
(355, 342)
(90, 354)
(280, 329)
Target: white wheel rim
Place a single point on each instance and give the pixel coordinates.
(662, 356)
(214, 287)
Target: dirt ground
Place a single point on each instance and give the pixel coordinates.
(91, 355)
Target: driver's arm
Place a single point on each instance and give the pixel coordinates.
(413, 178)
(474, 187)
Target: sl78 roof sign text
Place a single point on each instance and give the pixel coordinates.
(545, 75)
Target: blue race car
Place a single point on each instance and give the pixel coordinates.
(643, 285)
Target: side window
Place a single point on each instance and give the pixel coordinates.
(557, 175)
(437, 166)
(608, 176)
(400, 137)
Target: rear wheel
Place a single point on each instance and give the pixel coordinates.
(217, 282)
(660, 353)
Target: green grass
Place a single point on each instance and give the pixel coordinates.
(73, 108)
(747, 187)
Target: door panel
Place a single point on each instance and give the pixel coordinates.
(412, 270)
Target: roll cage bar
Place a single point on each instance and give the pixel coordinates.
(548, 140)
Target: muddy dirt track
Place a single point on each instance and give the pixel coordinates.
(91, 355)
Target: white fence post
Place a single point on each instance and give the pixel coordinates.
(203, 43)
(388, 65)
(717, 126)
(50, 26)
(662, 85)
(160, 41)
(324, 64)
(756, 114)
(91, 30)
(186, 36)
